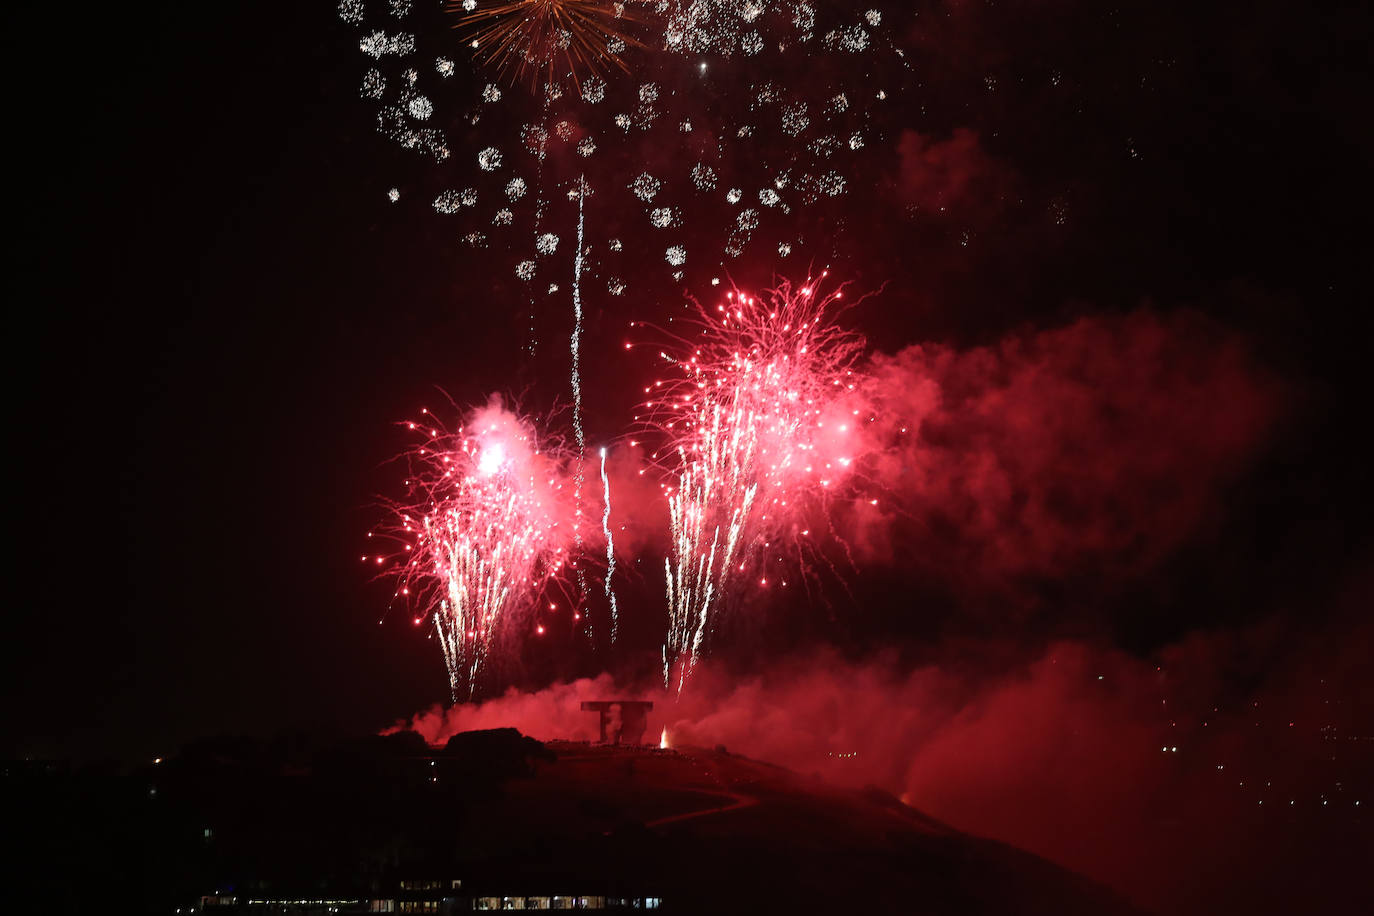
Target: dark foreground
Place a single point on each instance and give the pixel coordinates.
(496, 820)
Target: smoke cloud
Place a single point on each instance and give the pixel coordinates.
(1122, 768)
(955, 176)
(1097, 447)
(1084, 455)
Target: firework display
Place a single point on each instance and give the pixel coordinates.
(538, 41)
(581, 143)
(762, 418)
(483, 534)
(683, 121)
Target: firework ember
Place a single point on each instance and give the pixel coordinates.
(482, 534)
(763, 422)
(532, 39)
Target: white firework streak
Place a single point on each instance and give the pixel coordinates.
(610, 548)
(539, 202)
(477, 588)
(720, 476)
(576, 345)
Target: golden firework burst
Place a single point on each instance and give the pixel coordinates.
(544, 40)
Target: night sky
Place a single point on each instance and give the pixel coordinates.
(1127, 241)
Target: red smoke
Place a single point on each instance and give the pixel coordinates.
(1061, 755)
(955, 176)
(1104, 444)
(1098, 450)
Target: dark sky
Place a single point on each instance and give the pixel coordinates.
(219, 317)
(1117, 257)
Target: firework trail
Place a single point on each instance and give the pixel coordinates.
(576, 382)
(481, 535)
(610, 547)
(763, 420)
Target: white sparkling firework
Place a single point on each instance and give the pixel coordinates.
(645, 186)
(489, 159)
(704, 177)
(374, 85)
(826, 123)
(447, 202)
(420, 108)
(379, 44)
(593, 90)
(351, 11)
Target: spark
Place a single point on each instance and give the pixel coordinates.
(755, 421)
(532, 40)
(481, 534)
(557, 47)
